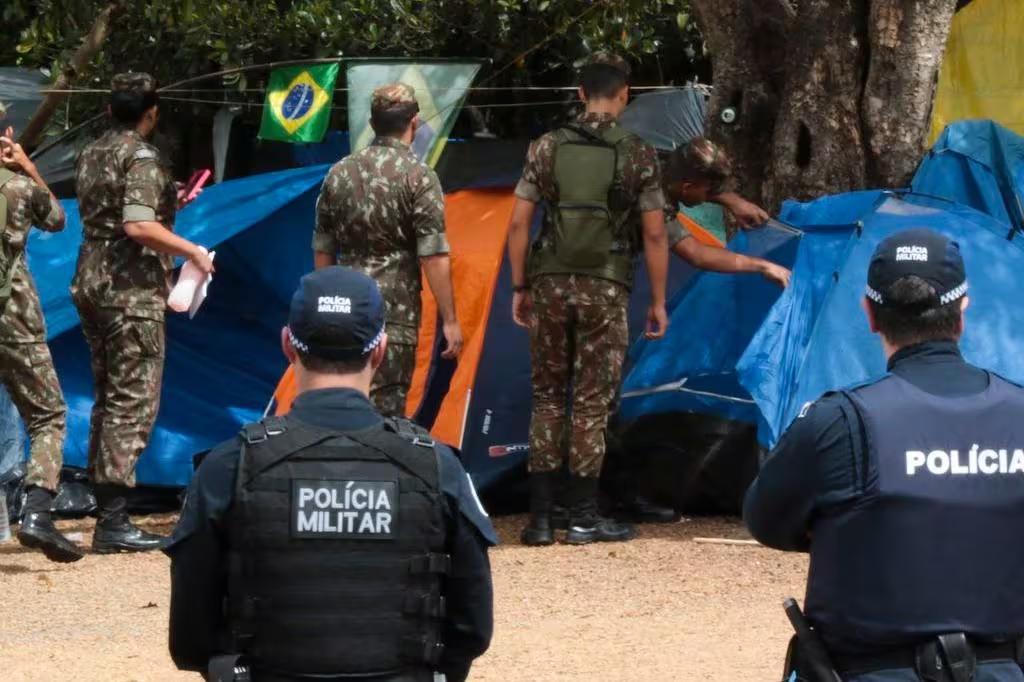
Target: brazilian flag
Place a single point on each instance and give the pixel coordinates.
(440, 90)
(298, 104)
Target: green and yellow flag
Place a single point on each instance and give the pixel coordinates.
(298, 104)
(440, 89)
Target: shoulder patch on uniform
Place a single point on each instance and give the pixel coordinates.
(344, 510)
(144, 153)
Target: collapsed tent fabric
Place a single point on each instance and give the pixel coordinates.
(816, 338)
(981, 75)
(979, 164)
(667, 119)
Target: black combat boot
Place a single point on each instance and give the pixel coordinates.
(538, 531)
(586, 524)
(114, 530)
(38, 532)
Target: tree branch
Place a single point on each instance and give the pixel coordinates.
(91, 44)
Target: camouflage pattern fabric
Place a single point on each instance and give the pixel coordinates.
(381, 210)
(26, 368)
(390, 387)
(578, 340)
(127, 365)
(21, 320)
(121, 178)
(638, 189)
(390, 96)
(133, 81)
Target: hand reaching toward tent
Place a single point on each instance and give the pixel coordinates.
(746, 213)
(522, 308)
(776, 273)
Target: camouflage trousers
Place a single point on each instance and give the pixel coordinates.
(577, 347)
(26, 370)
(391, 382)
(127, 353)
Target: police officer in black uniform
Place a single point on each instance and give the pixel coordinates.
(332, 543)
(908, 492)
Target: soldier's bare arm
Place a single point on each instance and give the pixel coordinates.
(656, 257)
(432, 249)
(746, 213)
(722, 260)
(518, 247)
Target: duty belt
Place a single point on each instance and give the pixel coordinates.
(946, 657)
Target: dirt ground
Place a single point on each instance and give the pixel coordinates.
(663, 607)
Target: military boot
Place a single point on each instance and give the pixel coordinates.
(586, 524)
(38, 532)
(538, 531)
(641, 509)
(114, 530)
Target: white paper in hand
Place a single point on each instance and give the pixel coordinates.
(190, 291)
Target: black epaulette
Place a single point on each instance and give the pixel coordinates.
(410, 431)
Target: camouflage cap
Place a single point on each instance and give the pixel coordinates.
(133, 81)
(392, 95)
(608, 59)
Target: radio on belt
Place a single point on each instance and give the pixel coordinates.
(349, 510)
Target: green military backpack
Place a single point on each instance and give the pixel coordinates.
(7, 261)
(587, 236)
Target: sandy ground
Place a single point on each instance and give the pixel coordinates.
(660, 608)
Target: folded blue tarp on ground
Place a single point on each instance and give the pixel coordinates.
(223, 365)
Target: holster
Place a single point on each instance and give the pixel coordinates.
(947, 658)
(227, 668)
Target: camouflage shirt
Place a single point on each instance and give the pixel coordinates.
(641, 181)
(381, 210)
(122, 178)
(28, 204)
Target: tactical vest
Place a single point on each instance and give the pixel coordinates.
(337, 552)
(934, 545)
(588, 230)
(8, 258)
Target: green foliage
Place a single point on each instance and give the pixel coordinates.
(176, 39)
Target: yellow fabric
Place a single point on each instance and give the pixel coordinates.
(981, 74)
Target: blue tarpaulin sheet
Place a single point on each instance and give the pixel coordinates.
(223, 365)
(979, 164)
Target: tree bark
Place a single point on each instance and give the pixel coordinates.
(830, 95)
(818, 146)
(907, 40)
(91, 44)
(744, 41)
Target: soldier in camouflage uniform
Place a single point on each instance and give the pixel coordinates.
(382, 210)
(576, 313)
(128, 201)
(26, 368)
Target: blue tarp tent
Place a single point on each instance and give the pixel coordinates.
(738, 354)
(979, 164)
(223, 365)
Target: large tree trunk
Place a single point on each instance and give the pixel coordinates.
(818, 147)
(747, 43)
(830, 95)
(908, 40)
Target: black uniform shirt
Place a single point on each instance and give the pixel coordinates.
(816, 466)
(198, 547)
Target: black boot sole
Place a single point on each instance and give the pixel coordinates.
(123, 549)
(50, 550)
(577, 538)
